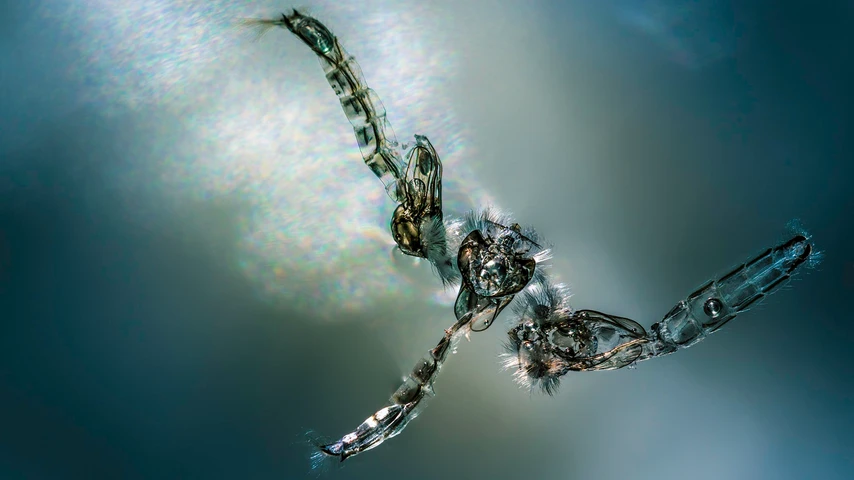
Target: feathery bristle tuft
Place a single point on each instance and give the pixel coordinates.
(434, 236)
(543, 302)
(796, 227)
(258, 26)
(322, 461)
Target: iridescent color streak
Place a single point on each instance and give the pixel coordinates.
(260, 125)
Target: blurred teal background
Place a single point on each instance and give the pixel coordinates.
(195, 266)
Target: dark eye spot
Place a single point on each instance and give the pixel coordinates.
(713, 307)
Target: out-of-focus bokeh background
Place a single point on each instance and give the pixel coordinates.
(195, 266)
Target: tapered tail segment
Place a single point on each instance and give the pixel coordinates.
(549, 340)
(361, 104)
(406, 403)
(717, 302)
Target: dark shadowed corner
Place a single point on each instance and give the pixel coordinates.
(135, 348)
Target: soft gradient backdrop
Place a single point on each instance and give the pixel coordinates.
(195, 265)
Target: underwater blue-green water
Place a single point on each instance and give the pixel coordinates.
(195, 264)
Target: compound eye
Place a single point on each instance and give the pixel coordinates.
(408, 237)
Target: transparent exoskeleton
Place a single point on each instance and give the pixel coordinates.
(548, 340)
(416, 224)
(495, 262)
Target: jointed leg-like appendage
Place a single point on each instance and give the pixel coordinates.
(547, 342)
(498, 261)
(363, 107)
(417, 224)
(406, 402)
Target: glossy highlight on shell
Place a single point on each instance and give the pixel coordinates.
(497, 262)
